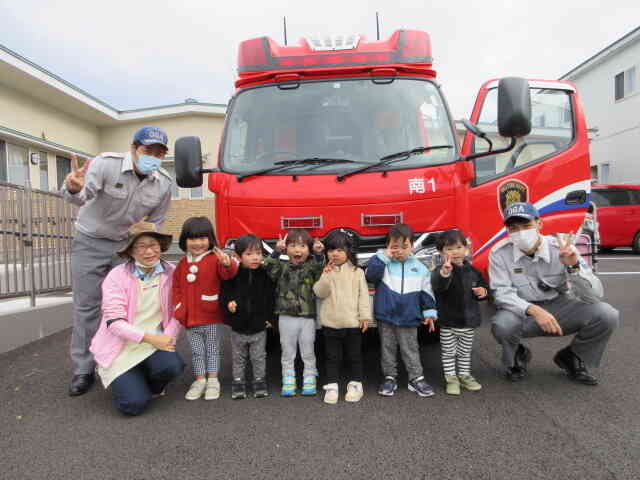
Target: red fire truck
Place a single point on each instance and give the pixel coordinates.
(343, 133)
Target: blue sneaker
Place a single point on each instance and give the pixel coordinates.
(388, 387)
(419, 386)
(309, 386)
(288, 386)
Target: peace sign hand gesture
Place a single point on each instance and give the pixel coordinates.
(568, 254)
(75, 180)
(281, 244)
(446, 268)
(318, 246)
(222, 257)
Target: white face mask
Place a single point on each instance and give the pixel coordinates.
(141, 266)
(525, 240)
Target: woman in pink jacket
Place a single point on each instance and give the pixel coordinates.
(135, 343)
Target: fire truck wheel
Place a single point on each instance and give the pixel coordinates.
(636, 244)
(188, 162)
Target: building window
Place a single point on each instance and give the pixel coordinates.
(196, 193)
(44, 171)
(17, 164)
(625, 83)
(63, 168)
(604, 173)
(171, 169)
(3, 161)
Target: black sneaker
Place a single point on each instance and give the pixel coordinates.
(515, 374)
(388, 387)
(419, 386)
(260, 389)
(574, 366)
(522, 357)
(238, 391)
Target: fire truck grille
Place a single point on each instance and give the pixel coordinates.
(365, 244)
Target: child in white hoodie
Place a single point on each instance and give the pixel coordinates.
(345, 312)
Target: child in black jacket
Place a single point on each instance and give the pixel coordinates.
(249, 300)
(458, 287)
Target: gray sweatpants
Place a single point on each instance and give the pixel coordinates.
(392, 337)
(294, 332)
(593, 324)
(253, 347)
(91, 260)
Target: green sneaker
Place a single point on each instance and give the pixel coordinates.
(470, 383)
(309, 386)
(288, 386)
(453, 385)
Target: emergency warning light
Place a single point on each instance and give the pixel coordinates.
(263, 54)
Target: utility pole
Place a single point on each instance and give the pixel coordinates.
(377, 27)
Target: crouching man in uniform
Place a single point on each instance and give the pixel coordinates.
(542, 287)
(114, 191)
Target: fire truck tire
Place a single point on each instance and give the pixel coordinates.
(188, 162)
(636, 244)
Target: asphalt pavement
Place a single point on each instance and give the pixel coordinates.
(543, 428)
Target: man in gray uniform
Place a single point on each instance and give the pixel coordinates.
(542, 287)
(115, 191)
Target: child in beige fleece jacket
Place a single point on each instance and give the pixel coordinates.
(345, 312)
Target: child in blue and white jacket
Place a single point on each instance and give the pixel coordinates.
(403, 301)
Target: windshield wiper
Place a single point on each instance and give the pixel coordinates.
(286, 164)
(394, 157)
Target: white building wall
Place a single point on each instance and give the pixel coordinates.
(617, 140)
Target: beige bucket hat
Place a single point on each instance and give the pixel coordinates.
(139, 229)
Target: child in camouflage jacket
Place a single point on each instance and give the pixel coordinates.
(296, 305)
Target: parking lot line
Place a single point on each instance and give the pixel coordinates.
(618, 273)
(618, 258)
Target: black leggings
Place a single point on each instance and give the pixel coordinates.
(335, 341)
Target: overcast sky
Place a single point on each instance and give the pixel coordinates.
(134, 54)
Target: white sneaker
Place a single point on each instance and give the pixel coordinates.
(331, 393)
(212, 392)
(196, 390)
(354, 392)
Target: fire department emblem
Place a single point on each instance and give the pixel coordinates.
(512, 191)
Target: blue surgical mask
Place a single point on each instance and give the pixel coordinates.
(147, 164)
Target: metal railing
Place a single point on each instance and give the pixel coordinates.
(36, 230)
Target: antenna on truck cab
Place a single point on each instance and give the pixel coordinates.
(284, 27)
(377, 27)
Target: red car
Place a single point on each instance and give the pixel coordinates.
(618, 215)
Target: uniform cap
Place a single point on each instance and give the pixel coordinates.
(151, 135)
(521, 210)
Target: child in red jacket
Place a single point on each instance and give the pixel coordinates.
(196, 286)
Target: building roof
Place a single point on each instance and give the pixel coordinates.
(21, 74)
(630, 38)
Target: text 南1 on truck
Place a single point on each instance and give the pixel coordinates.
(339, 132)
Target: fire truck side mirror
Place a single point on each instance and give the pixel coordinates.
(188, 162)
(514, 107)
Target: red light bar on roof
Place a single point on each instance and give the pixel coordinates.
(264, 54)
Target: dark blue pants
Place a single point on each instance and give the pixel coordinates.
(133, 389)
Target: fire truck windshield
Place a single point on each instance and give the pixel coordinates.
(356, 120)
